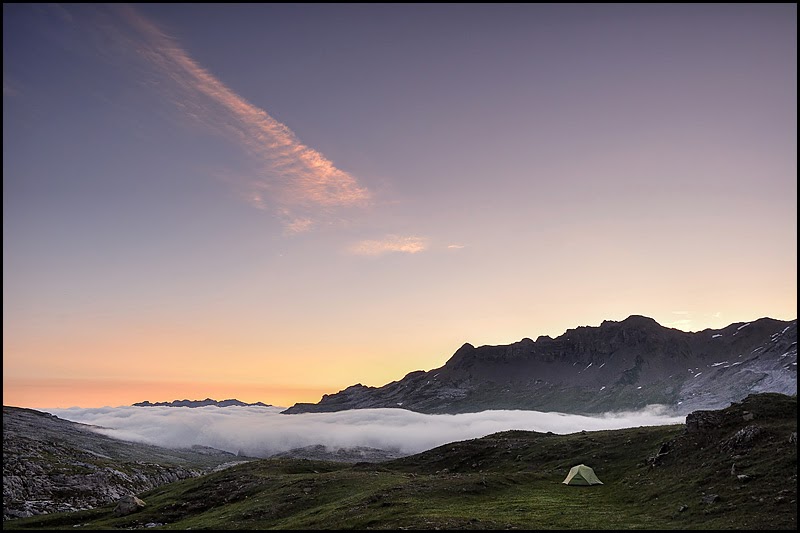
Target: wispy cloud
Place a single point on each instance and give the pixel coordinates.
(299, 225)
(455, 246)
(390, 243)
(260, 432)
(294, 181)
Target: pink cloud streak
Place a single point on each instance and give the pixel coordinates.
(296, 180)
(391, 243)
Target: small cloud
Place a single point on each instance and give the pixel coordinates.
(256, 200)
(390, 243)
(298, 225)
(455, 246)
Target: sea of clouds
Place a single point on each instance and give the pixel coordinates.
(263, 431)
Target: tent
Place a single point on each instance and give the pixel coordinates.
(581, 475)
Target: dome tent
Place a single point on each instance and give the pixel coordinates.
(581, 475)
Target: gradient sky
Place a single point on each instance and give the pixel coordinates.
(272, 202)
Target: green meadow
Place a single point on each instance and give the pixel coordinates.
(726, 475)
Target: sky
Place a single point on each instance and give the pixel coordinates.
(263, 431)
(272, 202)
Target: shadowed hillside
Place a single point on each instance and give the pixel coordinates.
(51, 464)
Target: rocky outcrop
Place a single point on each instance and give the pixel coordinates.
(701, 421)
(616, 366)
(127, 505)
(53, 465)
(728, 437)
(727, 430)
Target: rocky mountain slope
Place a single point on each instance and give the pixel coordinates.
(51, 464)
(617, 366)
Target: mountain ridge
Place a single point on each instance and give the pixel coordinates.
(201, 403)
(619, 365)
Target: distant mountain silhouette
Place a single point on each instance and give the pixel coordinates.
(616, 366)
(200, 403)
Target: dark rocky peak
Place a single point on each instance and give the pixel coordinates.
(759, 325)
(411, 377)
(356, 389)
(641, 321)
(634, 331)
(468, 355)
(465, 348)
(584, 344)
(633, 322)
(461, 356)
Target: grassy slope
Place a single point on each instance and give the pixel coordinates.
(507, 480)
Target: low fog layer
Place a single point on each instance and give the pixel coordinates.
(263, 431)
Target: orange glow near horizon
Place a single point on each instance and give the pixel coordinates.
(186, 369)
(64, 393)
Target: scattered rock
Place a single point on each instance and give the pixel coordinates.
(743, 438)
(710, 498)
(662, 451)
(127, 505)
(743, 478)
(683, 508)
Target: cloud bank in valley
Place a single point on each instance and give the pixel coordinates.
(261, 432)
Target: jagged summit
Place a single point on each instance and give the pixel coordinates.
(619, 365)
(633, 321)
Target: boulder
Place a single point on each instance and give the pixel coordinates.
(127, 505)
